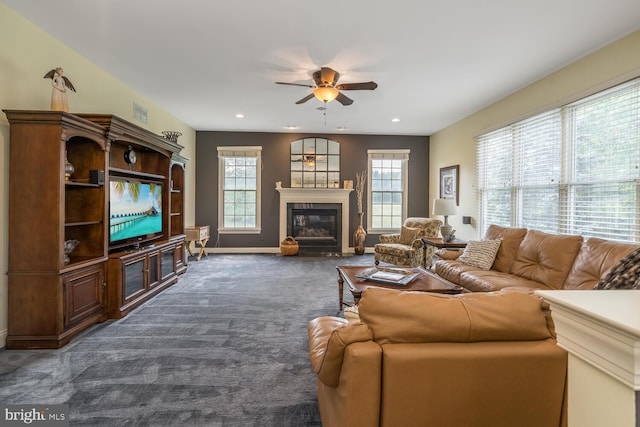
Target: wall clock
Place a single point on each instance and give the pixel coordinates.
(130, 156)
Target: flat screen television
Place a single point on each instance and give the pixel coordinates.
(135, 211)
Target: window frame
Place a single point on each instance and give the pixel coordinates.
(567, 217)
(315, 163)
(387, 154)
(235, 152)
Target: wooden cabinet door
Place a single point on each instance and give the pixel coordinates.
(84, 294)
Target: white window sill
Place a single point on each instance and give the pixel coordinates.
(239, 230)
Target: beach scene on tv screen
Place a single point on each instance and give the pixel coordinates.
(135, 209)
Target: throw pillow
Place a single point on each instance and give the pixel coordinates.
(625, 275)
(480, 253)
(408, 235)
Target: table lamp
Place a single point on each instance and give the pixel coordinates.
(444, 207)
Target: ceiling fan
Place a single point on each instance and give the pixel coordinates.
(309, 159)
(326, 88)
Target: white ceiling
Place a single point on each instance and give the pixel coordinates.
(435, 61)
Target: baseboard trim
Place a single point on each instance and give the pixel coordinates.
(263, 250)
(3, 338)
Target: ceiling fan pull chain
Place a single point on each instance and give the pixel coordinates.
(325, 113)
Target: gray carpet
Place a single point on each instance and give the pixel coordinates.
(226, 346)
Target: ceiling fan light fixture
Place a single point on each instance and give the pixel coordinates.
(326, 94)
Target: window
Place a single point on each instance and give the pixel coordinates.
(387, 199)
(239, 192)
(315, 163)
(571, 170)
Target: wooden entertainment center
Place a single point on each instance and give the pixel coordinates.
(60, 167)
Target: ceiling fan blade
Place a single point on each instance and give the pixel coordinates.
(305, 99)
(317, 78)
(343, 99)
(357, 86)
(295, 84)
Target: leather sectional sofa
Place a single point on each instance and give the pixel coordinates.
(529, 259)
(487, 357)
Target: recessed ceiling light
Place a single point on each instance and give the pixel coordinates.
(291, 127)
(341, 128)
(395, 120)
(239, 116)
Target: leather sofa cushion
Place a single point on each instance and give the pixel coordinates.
(546, 258)
(511, 239)
(490, 281)
(404, 317)
(452, 269)
(328, 339)
(596, 258)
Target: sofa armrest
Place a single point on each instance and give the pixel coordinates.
(449, 254)
(328, 339)
(390, 238)
(355, 402)
(417, 244)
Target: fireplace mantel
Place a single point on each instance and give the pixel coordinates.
(316, 195)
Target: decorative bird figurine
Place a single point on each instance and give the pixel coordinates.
(59, 92)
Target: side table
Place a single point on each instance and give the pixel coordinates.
(199, 235)
(440, 244)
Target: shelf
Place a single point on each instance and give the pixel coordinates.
(78, 262)
(136, 173)
(81, 184)
(83, 223)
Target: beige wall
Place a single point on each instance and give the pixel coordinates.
(453, 145)
(26, 54)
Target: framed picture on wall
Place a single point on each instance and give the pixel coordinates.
(449, 184)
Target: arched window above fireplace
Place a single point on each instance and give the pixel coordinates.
(315, 163)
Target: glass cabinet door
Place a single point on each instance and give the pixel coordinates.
(167, 262)
(134, 278)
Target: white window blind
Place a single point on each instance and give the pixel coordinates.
(571, 170)
(239, 192)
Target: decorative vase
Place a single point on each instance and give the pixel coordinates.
(69, 246)
(68, 168)
(359, 237)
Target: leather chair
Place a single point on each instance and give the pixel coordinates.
(406, 248)
(423, 359)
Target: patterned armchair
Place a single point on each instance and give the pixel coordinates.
(405, 248)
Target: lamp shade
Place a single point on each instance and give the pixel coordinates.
(326, 94)
(444, 207)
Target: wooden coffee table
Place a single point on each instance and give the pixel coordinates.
(425, 282)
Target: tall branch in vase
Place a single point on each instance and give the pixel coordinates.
(359, 236)
(361, 180)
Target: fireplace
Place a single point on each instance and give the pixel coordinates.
(315, 226)
(317, 198)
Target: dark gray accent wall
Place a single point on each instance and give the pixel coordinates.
(275, 167)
